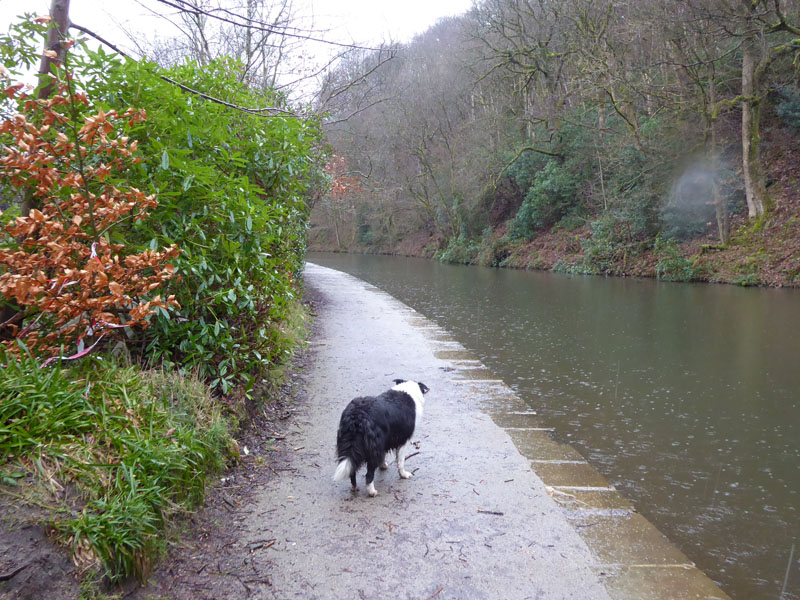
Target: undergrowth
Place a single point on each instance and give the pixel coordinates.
(113, 452)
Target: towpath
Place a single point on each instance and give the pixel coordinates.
(473, 522)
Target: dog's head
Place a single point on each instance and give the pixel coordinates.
(422, 387)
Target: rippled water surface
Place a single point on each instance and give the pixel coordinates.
(687, 397)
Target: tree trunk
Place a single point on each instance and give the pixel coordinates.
(720, 202)
(754, 182)
(59, 12)
(336, 228)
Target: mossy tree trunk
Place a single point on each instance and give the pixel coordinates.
(754, 182)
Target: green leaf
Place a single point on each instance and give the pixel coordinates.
(165, 161)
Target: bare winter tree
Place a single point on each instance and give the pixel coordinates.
(262, 36)
(764, 33)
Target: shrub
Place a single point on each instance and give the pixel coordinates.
(671, 266)
(552, 195)
(616, 235)
(65, 275)
(232, 187)
(460, 250)
(523, 170)
(493, 251)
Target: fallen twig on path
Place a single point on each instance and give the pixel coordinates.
(12, 574)
(491, 512)
(266, 544)
(436, 593)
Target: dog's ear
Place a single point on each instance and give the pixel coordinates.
(423, 387)
(398, 381)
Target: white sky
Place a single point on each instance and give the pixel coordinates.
(362, 21)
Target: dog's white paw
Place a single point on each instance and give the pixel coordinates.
(372, 491)
(384, 466)
(405, 474)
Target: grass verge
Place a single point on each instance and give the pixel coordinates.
(110, 452)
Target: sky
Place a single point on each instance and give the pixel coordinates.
(361, 21)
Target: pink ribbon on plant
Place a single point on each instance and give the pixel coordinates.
(80, 354)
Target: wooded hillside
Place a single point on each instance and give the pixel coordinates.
(653, 138)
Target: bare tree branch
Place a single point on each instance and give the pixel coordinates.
(272, 110)
(242, 21)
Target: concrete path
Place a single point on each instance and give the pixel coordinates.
(474, 522)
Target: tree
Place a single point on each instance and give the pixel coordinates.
(343, 189)
(764, 32)
(53, 54)
(764, 28)
(262, 36)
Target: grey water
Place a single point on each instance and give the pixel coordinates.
(686, 397)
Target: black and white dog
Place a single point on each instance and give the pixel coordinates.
(372, 426)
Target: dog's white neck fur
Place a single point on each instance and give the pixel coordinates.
(412, 389)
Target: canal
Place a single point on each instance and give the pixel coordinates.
(686, 397)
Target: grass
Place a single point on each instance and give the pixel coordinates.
(113, 452)
(106, 454)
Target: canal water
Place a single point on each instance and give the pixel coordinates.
(686, 397)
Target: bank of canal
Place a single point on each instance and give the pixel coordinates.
(683, 396)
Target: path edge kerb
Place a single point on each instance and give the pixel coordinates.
(635, 561)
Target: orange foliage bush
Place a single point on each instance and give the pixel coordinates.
(67, 282)
(342, 185)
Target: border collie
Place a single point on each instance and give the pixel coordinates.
(372, 426)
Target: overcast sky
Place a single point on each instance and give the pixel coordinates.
(362, 21)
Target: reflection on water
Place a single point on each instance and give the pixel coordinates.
(687, 397)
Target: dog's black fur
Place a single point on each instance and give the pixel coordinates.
(372, 426)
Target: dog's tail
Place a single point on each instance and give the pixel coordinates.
(343, 470)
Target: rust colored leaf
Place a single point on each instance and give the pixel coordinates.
(115, 288)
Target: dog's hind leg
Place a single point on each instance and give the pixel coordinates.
(353, 480)
(401, 463)
(385, 463)
(370, 480)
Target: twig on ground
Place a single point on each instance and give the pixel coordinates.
(491, 512)
(15, 572)
(265, 544)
